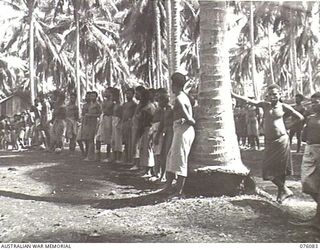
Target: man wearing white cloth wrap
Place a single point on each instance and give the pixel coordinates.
(183, 136)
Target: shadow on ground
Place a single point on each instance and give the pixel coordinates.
(76, 182)
(112, 236)
(144, 200)
(107, 186)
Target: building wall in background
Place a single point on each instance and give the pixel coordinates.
(13, 105)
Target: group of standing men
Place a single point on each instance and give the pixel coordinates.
(145, 131)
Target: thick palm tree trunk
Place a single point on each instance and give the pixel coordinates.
(169, 46)
(176, 32)
(31, 53)
(216, 165)
(158, 43)
(253, 61)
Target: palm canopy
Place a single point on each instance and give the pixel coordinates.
(47, 56)
(138, 37)
(280, 29)
(11, 69)
(117, 41)
(54, 30)
(190, 37)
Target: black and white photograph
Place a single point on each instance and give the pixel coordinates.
(159, 121)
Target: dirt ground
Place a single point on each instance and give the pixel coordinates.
(47, 197)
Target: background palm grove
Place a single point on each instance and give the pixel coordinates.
(88, 45)
(64, 44)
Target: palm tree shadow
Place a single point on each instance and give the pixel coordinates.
(150, 199)
(75, 182)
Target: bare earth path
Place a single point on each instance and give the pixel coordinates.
(47, 197)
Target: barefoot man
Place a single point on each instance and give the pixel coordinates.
(277, 159)
(183, 136)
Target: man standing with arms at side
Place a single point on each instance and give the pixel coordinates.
(297, 128)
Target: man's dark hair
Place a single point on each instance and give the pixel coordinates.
(94, 92)
(145, 96)
(116, 94)
(61, 95)
(316, 95)
(299, 96)
(140, 89)
(274, 86)
(162, 91)
(40, 94)
(130, 90)
(166, 98)
(178, 79)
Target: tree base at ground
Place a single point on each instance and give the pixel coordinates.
(215, 181)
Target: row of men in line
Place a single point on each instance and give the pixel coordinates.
(146, 131)
(139, 132)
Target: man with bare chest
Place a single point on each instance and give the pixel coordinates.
(104, 133)
(183, 136)
(128, 111)
(59, 124)
(71, 121)
(277, 156)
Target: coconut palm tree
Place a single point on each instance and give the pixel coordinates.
(264, 17)
(168, 40)
(190, 38)
(181, 35)
(240, 60)
(11, 69)
(289, 21)
(140, 33)
(31, 5)
(91, 35)
(30, 15)
(176, 33)
(215, 152)
(252, 42)
(248, 57)
(158, 43)
(307, 46)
